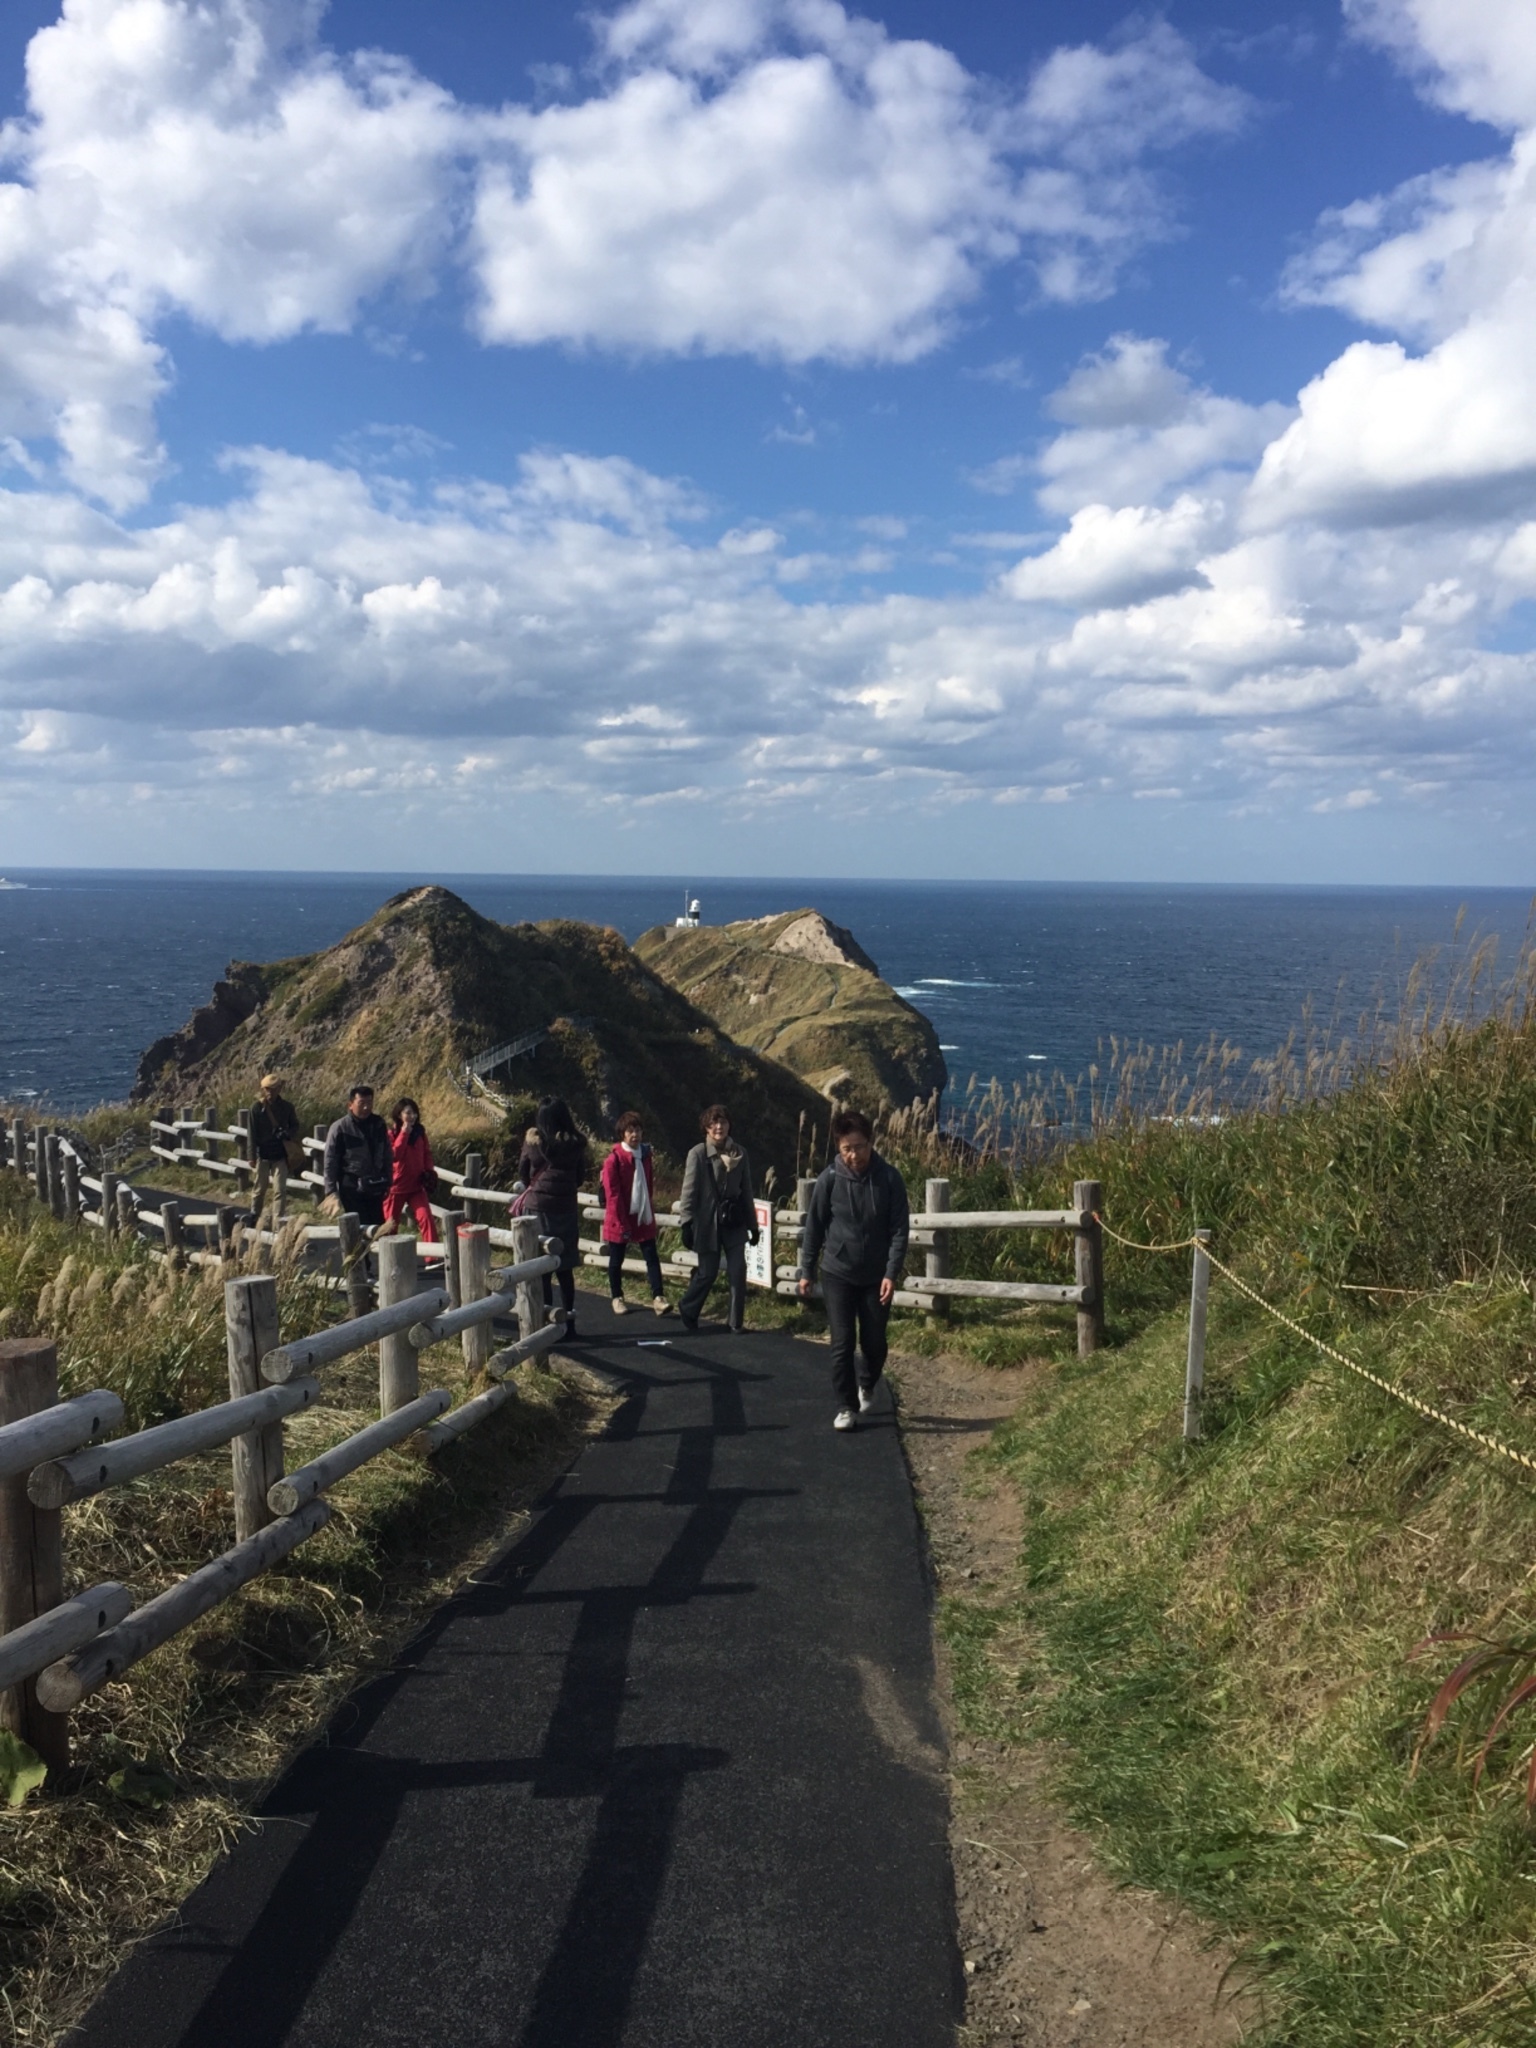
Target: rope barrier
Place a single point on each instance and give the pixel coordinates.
(1481, 1438)
(1131, 1245)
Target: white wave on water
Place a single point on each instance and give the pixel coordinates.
(947, 981)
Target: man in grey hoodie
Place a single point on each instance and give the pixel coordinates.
(857, 1225)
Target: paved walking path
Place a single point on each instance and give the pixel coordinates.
(667, 1773)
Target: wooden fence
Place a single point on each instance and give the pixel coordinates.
(53, 1651)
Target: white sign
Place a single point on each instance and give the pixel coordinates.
(760, 1255)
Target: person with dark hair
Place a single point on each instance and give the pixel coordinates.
(411, 1183)
(359, 1164)
(857, 1224)
(274, 1143)
(629, 1210)
(557, 1180)
(718, 1216)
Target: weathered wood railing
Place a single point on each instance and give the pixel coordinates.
(53, 1651)
(50, 1161)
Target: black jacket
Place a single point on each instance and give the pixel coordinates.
(357, 1155)
(857, 1224)
(271, 1123)
(553, 1192)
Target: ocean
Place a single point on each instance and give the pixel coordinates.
(1017, 977)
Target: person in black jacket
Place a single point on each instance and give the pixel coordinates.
(857, 1225)
(359, 1164)
(274, 1126)
(559, 1167)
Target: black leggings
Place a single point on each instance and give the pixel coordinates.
(652, 1259)
(567, 1279)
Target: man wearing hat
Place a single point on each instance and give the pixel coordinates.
(274, 1128)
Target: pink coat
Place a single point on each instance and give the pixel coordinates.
(619, 1226)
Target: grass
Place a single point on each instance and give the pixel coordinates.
(1215, 1642)
(170, 1760)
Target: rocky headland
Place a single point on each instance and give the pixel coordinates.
(802, 990)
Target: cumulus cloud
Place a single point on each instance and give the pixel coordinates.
(213, 161)
(780, 178)
(1477, 59)
(1110, 556)
(770, 177)
(1137, 425)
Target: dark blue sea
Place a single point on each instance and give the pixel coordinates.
(1017, 977)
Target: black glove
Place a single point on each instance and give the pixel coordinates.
(686, 1233)
(753, 1235)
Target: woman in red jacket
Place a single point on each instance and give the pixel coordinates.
(629, 1211)
(412, 1173)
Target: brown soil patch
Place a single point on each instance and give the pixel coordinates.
(1057, 1955)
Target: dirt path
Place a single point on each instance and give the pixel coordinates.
(1056, 1955)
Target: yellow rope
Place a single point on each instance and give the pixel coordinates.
(1130, 1244)
(1476, 1436)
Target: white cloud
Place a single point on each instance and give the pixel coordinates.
(1118, 556)
(770, 177)
(1136, 425)
(786, 180)
(210, 160)
(1477, 57)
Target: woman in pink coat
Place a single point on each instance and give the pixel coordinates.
(629, 1211)
(411, 1177)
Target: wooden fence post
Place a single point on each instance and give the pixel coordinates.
(108, 1204)
(54, 1170)
(1194, 1371)
(40, 1162)
(250, 1332)
(175, 1237)
(449, 1222)
(530, 1294)
(19, 1145)
(354, 1265)
(475, 1285)
(936, 1196)
(31, 1545)
(127, 1211)
(399, 1376)
(1088, 1197)
(228, 1215)
(71, 1193)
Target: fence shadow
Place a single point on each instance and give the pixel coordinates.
(353, 1796)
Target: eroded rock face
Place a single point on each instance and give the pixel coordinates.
(427, 984)
(801, 989)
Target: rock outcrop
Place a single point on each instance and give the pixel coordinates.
(407, 999)
(802, 990)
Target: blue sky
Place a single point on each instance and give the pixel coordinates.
(752, 436)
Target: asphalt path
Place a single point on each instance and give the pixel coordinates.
(667, 1772)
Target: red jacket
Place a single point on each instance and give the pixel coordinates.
(619, 1226)
(413, 1160)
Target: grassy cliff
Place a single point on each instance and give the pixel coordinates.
(801, 989)
(427, 983)
(1217, 1643)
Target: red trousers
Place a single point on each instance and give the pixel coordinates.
(398, 1204)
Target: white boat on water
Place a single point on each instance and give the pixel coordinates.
(4, 884)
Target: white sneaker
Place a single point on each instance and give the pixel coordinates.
(866, 1399)
(620, 1305)
(845, 1419)
(660, 1305)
